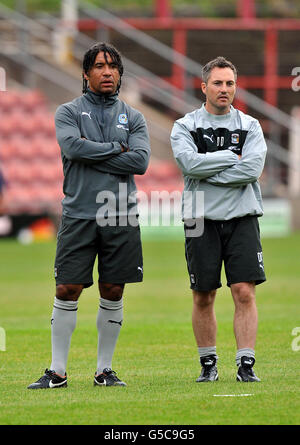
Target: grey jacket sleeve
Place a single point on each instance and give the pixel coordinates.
(194, 164)
(76, 149)
(135, 161)
(251, 164)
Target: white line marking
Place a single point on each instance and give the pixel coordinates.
(232, 395)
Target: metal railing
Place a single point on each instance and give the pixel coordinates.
(155, 87)
(189, 65)
(276, 153)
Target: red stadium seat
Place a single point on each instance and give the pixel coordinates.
(45, 172)
(161, 170)
(167, 169)
(33, 100)
(44, 123)
(18, 171)
(8, 150)
(28, 125)
(46, 147)
(48, 124)
(37, 173)
(17, 118)
(17, 146)
(7, 125)
(54, 173)
(19, 199)
(29, 153)
(8, 101)
(49, 149)
(50, 194)
(26, 150)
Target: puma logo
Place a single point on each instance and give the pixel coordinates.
(87, 114)
(114, 321)
(210, 138)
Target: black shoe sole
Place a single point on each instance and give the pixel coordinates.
(64, 385)
(239, 379)
(208, 381)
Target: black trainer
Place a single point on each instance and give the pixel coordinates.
(107, 378)
(49, 380)
(245, 372)
(209, 371)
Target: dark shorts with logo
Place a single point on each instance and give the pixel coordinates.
(80, 241)
(236, 243)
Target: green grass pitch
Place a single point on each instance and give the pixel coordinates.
(156, 353)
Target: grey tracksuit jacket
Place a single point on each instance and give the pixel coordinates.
(96, 163)
(206, 149)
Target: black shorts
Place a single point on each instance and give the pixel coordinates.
(118, 248)
(236, 242)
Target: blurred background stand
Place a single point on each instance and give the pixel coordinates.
(294, 173)
(65, 32)
(164, 45)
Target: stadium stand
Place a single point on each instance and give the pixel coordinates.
(29, 154)
(30, 158)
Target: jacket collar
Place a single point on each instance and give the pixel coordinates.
(100, 98)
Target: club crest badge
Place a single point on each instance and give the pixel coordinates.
(123, 118)
(235, 138)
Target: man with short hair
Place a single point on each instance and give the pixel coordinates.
(104, 142)
(221, 152)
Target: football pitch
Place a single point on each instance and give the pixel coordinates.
(156, 353)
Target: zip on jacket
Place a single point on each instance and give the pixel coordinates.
(91, 131)
(207, 147)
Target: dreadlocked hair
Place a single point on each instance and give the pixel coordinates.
(90, 56)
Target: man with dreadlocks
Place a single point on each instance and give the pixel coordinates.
(104, 142)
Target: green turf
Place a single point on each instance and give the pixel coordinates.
(156, 353)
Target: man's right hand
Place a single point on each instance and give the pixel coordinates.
(125, 147)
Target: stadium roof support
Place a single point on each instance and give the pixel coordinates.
(131, 28)
(162, 8)
(246, 9)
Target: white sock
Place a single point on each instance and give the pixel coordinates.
(63, 323)
(109, 322)
(248, 352)
(206, 351)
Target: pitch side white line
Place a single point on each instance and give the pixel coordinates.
(232, 395)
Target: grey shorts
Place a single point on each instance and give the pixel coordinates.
(236, 243)
(80, 241)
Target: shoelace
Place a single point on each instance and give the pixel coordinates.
(48, 374)
(112, 374)
(248, 367)
(206, 370)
